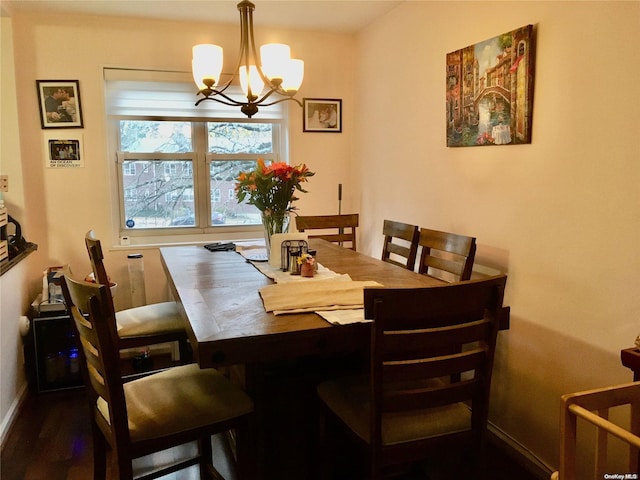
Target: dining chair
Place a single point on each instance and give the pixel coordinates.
(591, 409)
(145, 325)
(407, 408)
(447, 256)
(405, 247)
(153, 413)
(348, 222)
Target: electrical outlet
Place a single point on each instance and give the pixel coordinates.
(4, 183)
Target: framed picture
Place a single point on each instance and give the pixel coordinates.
(322, 115)
(63, 150)
(490, 91)
(59, 103)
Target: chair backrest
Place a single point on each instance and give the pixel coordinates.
(447, 256)
(346, 225)
(593, 407)
(91, 308)
(94, 249)
(422, 336)
(392, 250)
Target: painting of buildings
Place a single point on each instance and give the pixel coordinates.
(490, 91)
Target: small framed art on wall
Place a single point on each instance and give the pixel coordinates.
(322, 115)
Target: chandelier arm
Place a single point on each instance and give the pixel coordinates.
(215, 96)
(256, 57)
(215, 91)
(247, 47)
(279, 91)
(282, 100)
(265, 96)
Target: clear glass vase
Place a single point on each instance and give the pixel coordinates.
(274, 223)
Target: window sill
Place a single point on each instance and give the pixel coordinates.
(186, 236)
(146, 243)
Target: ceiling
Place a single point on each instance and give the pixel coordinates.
(344, 16)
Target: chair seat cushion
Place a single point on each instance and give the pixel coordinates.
(348, 398)
(179, 399)
(149, 320)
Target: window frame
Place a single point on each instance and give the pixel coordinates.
(201, 159)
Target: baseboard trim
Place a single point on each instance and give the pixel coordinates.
(12, 414)
(519, 453)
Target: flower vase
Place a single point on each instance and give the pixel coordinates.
(274, 223)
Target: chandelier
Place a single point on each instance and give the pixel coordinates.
(277, 73)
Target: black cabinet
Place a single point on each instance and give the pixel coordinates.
(52, 355)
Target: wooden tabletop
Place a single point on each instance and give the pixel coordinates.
(227, 322)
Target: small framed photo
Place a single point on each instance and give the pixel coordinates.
(63, 150)
(322, 115)
(59, 102)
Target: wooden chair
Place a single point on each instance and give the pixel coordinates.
(592, 407)
(407, 407)
(153, 413)
(145, 325)
(331, 222)
(390, 250)
(447, 256)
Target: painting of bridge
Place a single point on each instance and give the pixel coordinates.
(490, 91)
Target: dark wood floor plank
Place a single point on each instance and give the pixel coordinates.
(51, 440)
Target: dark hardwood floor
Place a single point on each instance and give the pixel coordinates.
(51, 440)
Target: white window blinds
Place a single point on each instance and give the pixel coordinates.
(131, 92)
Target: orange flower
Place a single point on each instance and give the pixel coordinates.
(270, 187)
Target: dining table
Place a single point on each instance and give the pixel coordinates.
(277, 358)
(218, 293)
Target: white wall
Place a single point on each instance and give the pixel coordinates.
(561, 215)
(15, 293)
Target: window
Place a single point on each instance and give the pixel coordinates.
(175, 166)
(170, 168)
(164, 191)
(129, 168)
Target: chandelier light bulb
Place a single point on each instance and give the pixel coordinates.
(206, 65)
(293, 76)
(275, 58)
(252, 79)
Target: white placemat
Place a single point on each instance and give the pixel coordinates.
(343, 317)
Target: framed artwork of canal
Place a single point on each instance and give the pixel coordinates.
(490, 91)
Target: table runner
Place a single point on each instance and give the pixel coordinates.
(296, 297)
(337, 304)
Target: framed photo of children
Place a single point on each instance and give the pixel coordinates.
(59, 102)
(63, 150)
(322, 115)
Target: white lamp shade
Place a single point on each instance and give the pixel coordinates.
(206, 64)
(253, 79)
(294, 76)
(274, 58)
